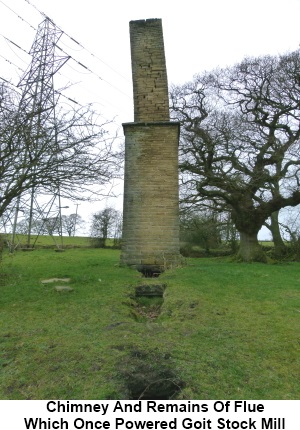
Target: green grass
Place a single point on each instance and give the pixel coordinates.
(43, 241)
(228, 330)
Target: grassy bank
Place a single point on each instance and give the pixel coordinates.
(223, 330)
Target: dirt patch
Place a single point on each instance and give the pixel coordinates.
(63, 289)
(150, 376)
(52, 280)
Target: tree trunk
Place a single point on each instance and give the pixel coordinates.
(280, 248)
(250, 250)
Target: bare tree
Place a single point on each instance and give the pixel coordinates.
(70, 222)
(105, 224)
(43, 226)
(71, 152)
(240, 141)
(201, 229)
(290, 226)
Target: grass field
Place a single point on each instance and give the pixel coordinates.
(223, 330)
(43, 241)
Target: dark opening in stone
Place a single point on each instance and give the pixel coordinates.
(147, 301)
(150, 271)
(150, 290)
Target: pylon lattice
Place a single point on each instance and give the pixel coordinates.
(36, 110)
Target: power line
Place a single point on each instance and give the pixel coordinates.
(91, 71)
(18, 88)
(6, 81)
(11, 84)
(60, 94)
(95, 56)
(57, 92)
(76, 61)
(79, 63)
(75, 41)
(14, 43)
(13, 64)
(10, 43)
(80, 44)
(22, 19)
(70, 47)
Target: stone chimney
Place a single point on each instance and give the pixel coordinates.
(151, 208)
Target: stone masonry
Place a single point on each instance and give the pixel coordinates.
(149, 73)
(150, 213)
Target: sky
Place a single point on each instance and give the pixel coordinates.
(198, 35)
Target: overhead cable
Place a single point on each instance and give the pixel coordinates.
(13, 64)
(14, 43)
(82, 65)
(61, 95)
(15, 86)
(76, 61)
(75, 41)
(91, 71)
(22, 19)
(78, 43)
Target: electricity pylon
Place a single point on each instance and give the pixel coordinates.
(36, 110)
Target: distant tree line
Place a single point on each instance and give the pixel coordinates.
(65, 224)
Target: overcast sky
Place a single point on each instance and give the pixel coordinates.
(198, 35)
